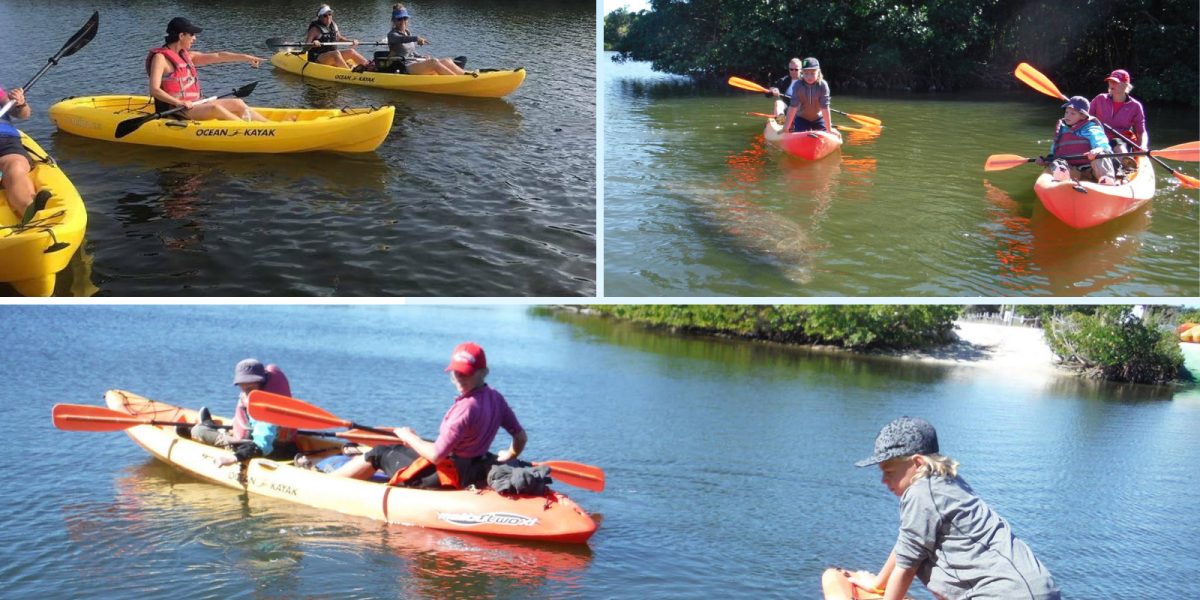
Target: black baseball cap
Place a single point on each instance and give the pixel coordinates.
(181, 25)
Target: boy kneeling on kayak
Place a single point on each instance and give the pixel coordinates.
(949, 538)
(1081, 142)
(460, 457)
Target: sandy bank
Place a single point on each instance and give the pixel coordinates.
(986, 345)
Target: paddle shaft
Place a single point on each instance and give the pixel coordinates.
(79, 36)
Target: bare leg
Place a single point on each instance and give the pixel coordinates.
(348, 55)
(452, 68)
(213, 111)
(18, 185)
(333, 59)
(357, 468)
(239, 107)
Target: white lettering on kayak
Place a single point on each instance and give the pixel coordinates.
(274, 487)
(471, 520)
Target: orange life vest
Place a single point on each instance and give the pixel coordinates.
(447, 473)
(182, 83)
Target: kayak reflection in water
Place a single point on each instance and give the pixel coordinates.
(249, 438)
(14, 161)
(948, 537)
(460, 457)
(175, 83)
(324, 30)
(402, 54)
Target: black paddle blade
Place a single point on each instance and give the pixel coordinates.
(81, 37)
(245, 90)
(129, 126)
(461, 61)
(55, 247)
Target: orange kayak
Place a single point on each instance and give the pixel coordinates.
(1096, 203)
(809, 145)
(551, 517)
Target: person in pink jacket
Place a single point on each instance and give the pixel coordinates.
(1122, 112)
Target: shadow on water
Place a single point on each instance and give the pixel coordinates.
(722, 355)
(159, 515)
(1107, 391)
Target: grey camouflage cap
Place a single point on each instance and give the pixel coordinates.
(249, 371)
(903, 437)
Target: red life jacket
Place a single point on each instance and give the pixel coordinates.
(182, 83)
(447, 474)
(1070, 143)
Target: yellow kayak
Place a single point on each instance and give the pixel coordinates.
(290, 130)
(488, 83)
(30, 256)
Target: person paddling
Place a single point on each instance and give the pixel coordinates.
(809, 107)
(784, 86)
(14, 160)
(459, 458)
(1079, 135)
(323, 30)
(175, 83)
(1122, 112)
(402, 49)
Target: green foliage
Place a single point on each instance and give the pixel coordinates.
(924, 44)
(1112, 344)
(859, 326)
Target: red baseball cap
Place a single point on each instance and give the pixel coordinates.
(467, 358)
(1119, 76)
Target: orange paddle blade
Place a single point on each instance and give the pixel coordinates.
(1189, 152)
(290, 412)
(999, 162)
(1186, 181)
(80, 417)
(1034, 79)
(758, 114)
(865, 120)
(576, 474)
(371, 439)
(745, 84)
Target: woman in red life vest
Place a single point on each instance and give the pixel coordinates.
(174, 82)
(460, 456)
(323, 29)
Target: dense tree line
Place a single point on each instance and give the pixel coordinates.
(924, 45)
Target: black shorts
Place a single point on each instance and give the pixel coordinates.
(12, 145)
(393, 459)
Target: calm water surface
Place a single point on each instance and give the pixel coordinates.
(730, 465)
(488, 197)
(697, 204)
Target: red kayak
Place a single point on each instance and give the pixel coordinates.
(809, 145)
(1088, 204)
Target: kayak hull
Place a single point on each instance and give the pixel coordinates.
(489, 84)
(809, 145)
(552, 517)
(24, 260)
(1099, 203)
(312, 130)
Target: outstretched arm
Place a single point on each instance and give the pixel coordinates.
(212, 58)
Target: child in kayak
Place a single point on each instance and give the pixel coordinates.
(14, 161)
(249, 438)
(175, 83)
(949, 538)
(459, 458)
(324, 30)
(1081, 137)
(1122, 112)
(809, 107)
(402, 50)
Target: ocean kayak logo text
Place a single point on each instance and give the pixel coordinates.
(471, 520)
(235, 132)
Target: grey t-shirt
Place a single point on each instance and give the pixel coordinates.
(961, 549)
(809, 99)
(401, 45)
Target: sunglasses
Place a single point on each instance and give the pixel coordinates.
(791, 69)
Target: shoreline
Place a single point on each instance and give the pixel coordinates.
(1012, 348)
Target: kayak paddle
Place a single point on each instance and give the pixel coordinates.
(129, 126)
(290, 412)
(1189, 151)
(1036, 80)
(280, 43)
(73, 45)
(748, 85)
(83, 417)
